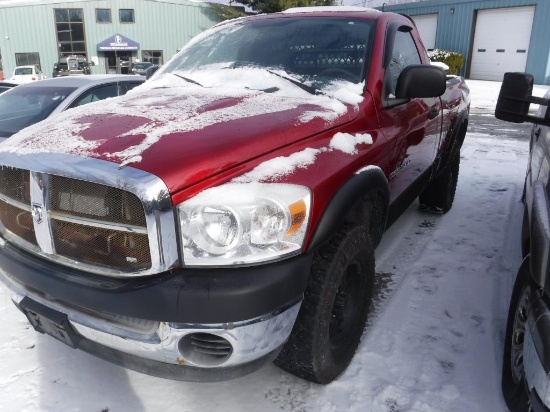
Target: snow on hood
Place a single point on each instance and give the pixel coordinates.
(169, 104)
(285, 165)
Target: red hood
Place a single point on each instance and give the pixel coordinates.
(186, 137)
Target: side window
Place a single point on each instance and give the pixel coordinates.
(129, 86)
(99, 93)
(404, 54)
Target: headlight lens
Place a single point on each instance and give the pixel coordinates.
(246, 223)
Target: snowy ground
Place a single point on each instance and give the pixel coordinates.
(434, 342)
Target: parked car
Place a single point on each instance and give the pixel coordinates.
(73, 65)
(30, 103)
(4, 86)
(525, 378)
(141, 67)
(27, 74)
(225, 213)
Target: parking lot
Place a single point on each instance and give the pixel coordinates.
(434, 342)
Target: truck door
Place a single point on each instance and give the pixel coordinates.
(414, 126)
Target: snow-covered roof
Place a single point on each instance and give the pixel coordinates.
(322, 9)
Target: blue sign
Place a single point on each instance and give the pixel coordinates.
(117, 43)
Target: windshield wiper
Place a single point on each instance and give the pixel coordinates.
(187, 79)
(301, 85)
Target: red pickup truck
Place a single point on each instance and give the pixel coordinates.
(225, 213)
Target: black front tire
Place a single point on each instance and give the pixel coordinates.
(334, 310)
(513, 374)
(439, 195)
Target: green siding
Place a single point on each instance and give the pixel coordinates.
(455, 31)
(159, 25)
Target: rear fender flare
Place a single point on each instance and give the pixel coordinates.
(456, 140)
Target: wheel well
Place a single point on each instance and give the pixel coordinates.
(462, 132)
(455, 144)
(369, 211)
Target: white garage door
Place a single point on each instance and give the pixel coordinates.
(427, 27)
(501, 42)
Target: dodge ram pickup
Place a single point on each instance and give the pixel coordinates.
(225, 213)
(526, 363)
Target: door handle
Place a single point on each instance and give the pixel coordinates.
(432, 114)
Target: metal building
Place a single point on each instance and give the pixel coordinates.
(111, 35)
(495, 36)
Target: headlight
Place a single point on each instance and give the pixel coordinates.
(243, 223)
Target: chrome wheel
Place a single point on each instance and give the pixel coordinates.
(518, 335)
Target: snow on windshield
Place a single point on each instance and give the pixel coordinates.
(169, 104)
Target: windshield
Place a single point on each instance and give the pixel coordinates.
(22, 71)
(24, 106)
(314, 50)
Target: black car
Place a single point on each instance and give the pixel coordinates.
(6, 86)
(526, 364)
(140, 67)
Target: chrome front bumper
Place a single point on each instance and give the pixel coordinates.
(168, 343)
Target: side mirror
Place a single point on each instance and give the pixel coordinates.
(91, 63)
(150, 71)
(421, 80)
(515, 98)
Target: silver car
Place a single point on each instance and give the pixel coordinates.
(30, 103)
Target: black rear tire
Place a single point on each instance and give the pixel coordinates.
(439, 195)
(513, 374)
(334, 310)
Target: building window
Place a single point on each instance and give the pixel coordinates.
(103, 15)
(152, 56)
(27, 59)
(69, 25)
(126, 15)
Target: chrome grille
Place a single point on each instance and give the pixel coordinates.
(87, 213)
(17, 221)
(95, 201)
(15, 204)
(14, 183)
(102, 247)
(89, 223)
(98, 224)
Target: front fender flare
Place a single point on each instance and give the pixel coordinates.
(370, 180)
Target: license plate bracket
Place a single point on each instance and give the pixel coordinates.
(49, 321)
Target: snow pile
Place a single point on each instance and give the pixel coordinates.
(347, 143)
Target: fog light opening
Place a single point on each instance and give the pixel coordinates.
(205, 349)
